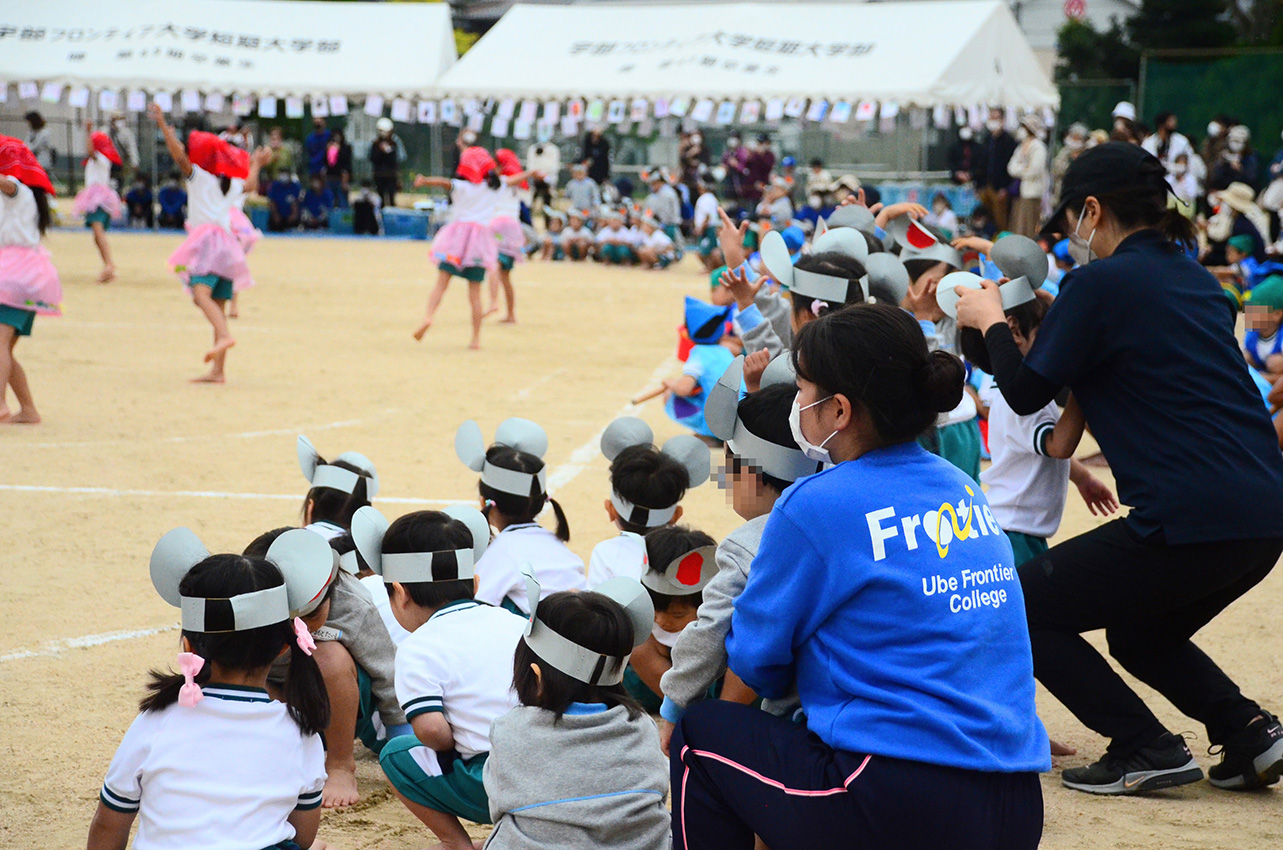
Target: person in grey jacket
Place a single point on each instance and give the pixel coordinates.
(578, 763)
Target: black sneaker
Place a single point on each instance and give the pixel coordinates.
(1163, 764)
(1251, 759)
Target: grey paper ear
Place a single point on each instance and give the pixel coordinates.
(779, 371)
(533, 591)
(843, 240)
(624, 433)
(477, 523)
(692, 453)
(364, 464)
(636, 603)
(947, 290)
(308, 459)
(888, 276)
(776, 259)
(172, 558)
(1020, 256)
(308, 564)
(821, 227)
(522, 435)
(853, 215)
(368, 528)
(470, 446)
(721, 408)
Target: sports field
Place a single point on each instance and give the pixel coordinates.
(130, 449)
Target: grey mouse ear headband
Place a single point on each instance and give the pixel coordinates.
(687, 575)
(579, 662)
(1018, 257)
(693, 454)
(520, 434)
(721, 412)
(174, 556)
(369, 526)
(320, 474)
(822, 287)
(918, 243)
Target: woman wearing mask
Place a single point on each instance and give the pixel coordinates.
(1028, 165)
(1075, 143)
(1238, 163)
(1144, 338)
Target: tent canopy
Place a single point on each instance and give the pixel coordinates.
(932, 53)
(257, 47)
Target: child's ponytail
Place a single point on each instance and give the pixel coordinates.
(563, 527)
(162, 690)
(305, 694)
(493, 181)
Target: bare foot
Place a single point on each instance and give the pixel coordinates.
(340, 788)
(108, 274)
(22, 417)
(1059, 749)
(490, 311)
(233, 314)
(508, 320)
(318, 844)
(4, 413)
(476, 345)
(219, 348)
(423, 328)
(211, 378)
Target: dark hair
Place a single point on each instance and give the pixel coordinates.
(833, 264)
(335, 506)
(1144, 205)
(35, 119)
(876, 356)
(342, 544)
(224, 576)
(591, 620)
(493, 180)
(875, 244)
(817, 163)
(765, 414)
(917, 268)
(972, 342)
(648, 478)
(522, 508)
(665, 545)
(258, 549)
(43, 218)
(1161, 118)
(431, 531)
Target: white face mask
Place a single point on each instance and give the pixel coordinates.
(1236, 145)
(819, 454)
(697, 139)
(965, 134)
(1073, 143)
(1179, 169)
(1022, 134)
(1080, 248)
(993, 125)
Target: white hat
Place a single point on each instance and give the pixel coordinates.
(1124, 109)
(384, 125)
(1239, 133)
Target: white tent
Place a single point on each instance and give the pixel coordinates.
(917, 53)
(253, 47)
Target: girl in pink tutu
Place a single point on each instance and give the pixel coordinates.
(211, 262)
(28, 281)
(98, 202)
(506, 226)
(465, 247)
(244, 230)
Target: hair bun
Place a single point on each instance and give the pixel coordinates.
(940, 380)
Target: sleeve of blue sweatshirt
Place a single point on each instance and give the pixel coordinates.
(783, 602)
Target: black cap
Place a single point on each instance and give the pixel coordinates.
(1106, 168)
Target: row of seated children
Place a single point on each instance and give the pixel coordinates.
(292, 207)
(620, 239)
(166, 208)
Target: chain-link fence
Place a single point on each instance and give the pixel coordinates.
(1091, 102)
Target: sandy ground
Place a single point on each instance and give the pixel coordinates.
(129, 450)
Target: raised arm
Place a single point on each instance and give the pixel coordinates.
(176, 149)
(260, 157)
(89, 139)
(431, 182)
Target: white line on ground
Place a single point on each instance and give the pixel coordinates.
(55, 647)
(206, 494)
(244, 435)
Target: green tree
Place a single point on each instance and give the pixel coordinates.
(1173, 24)
(1087, 53)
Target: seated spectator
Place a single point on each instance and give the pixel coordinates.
(318, 200)
(663, 203)
(577, 239)
(655, 248)
(172, 199)
(582, 191)
(775, 205)
(614, 242)
(139, 199)
(552, 248)
(365, 210)
(283, 200)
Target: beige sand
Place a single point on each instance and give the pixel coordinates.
(325, 349)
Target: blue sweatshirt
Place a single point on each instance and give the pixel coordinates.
(900, 646)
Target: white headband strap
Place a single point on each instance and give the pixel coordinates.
(420, 567)
(575, 661)
(511, 481)
(236, 614)
(1016, 292)
(667, 582)
(336, 478)
(637, 515)
(939, 252)
(834, 290)
(773, 459)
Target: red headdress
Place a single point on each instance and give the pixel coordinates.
(217, 156)
(509, 164)
(475, 163)
(103, 145)
(17, 161)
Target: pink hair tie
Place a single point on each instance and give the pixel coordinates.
(817, 305)
(190, 664)
(303, 637)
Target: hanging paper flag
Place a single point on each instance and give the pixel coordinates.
(569, 126)
(507, 107)
(575, 109)
(615, 114)
(639, 109)
(28, 90)
(471, 107)
(338, 104)
(775, 109)
(191, 100)
(596, 110)
(320, 106)
(529, 112)
(726, 112)
(819, 108)
(841, 112)
(1011, 120)
(215, 101)
(940, 117)
(960, 115)
(400, 110)
(645, 127)
(374, 105)
(521, 129)
(867, 110)
(1048, 117)
(976, 116)
(136, 101)
(499, 126)
(751, 112)
(917, 118)
(4, 93)
(51, 93)
(242, 105)
(476, 122)
(164, 100)
(544, 131)
(427, 112)
(679, 106)
(267, 107)
(703, 110)
(889, 110)
(661, 107)
(108, 100)
(448, 112)
(293, 107)
(552, 111)
(78, 97)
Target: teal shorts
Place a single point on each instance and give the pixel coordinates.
(220, 288)
(472, 274)
(648, 699)
(1026, 547)
(366, 732)
(457, 791)
(506, 263)
(98, 216)
(20, 320)
(960, 445)
(708, 242)
(617, 254)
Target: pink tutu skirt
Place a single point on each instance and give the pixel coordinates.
(209, 249)
(94, 198)
(28, 280)
(245, 232)
(511, 238)
(466, 244)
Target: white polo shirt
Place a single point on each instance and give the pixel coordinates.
(222, 775)
(19, 218)
(659, 240)
(706, 212)
(624, 555)
(97, 170)
(206, 203)
(1027, 489)
(472, 202)
(499, 569)
(460, 663)
(379, 593)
